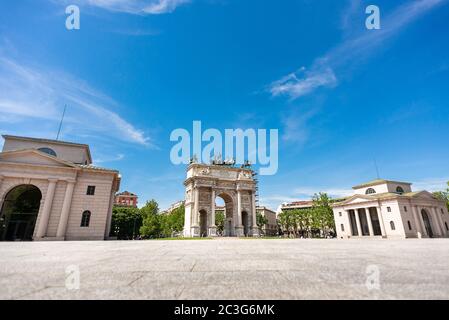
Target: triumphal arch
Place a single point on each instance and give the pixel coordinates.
(236, 186)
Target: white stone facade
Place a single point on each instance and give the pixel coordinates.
(237, 188)
(390, 209)
(63, 181)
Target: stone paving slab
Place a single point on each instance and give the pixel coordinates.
(228, 269)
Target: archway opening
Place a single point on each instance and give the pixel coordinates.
(19, 213)
(427, 224)
(224, 215)
(245, 223)
(203, 223)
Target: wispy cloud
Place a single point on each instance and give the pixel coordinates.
(435, 184)
(30, 96)
(138, 7)
(332, 192)
(326, 70)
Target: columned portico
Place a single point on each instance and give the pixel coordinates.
(45, 215)
(390, 209)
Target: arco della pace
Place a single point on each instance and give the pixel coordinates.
(236, 186)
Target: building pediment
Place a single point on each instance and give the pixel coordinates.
(357, 198)
(33, 157)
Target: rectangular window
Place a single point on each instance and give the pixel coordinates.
(409, 225)
(342, 227)
(339, 214)
(90, 190)
(405, 208)
(388, 209)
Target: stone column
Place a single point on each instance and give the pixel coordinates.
(1, 199)
(443, 227)
(255, 229)
(62, 226)
(46, 210)
(195, 226)
(238, 226)
(419, 230)
(212, 227)
(421, 222)
(437, 221)
(381, 221)
(370, 224)
(359, 225)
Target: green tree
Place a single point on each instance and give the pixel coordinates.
(126, 222)
(322, 217)
(261, 220)
(219, 221)
(152, 221)
(443, 195)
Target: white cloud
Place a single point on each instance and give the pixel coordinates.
(431, 185)
(30, 96)
(340, 59)
(138, 7)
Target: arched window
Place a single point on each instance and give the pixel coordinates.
(392, 225)
(85, 219)
(409, 225)
(399, 189)
(370, 191)
(48, 151)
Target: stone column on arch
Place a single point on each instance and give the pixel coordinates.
(440, 219)
(212, 227)
(65, 212)
(238, 226)
(255, 229)
(46, 210)
(421, 221)
(195, 226)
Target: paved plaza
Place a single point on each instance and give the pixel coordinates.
(227, 269)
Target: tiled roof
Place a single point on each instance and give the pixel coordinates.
(92, 167)
(376, 182)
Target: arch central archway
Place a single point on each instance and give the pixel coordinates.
(224, 215)
(19, 213)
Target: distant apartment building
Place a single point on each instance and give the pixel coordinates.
(301, 204)
(126, 199)
(173, 206)
(271, 227)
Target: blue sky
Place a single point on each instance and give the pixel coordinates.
(340, 95)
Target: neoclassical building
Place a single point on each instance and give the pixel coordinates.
(235, 186)
(49, 190)
(390, 209)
